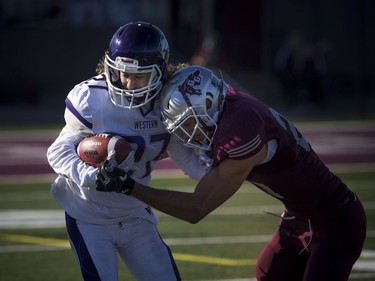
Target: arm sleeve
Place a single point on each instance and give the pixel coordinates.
(186, 159)
(63, 158)
(240, 136)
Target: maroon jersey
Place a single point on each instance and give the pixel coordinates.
(295, 174)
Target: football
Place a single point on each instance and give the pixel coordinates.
(93, 150)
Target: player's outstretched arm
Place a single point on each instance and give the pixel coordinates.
(217, 186)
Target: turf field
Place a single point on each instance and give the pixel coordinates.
(222, 247)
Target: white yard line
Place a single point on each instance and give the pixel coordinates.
(29, 219)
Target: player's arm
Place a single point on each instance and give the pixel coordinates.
(62, 157)
(217, 186)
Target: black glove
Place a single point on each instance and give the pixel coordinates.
(111, 179)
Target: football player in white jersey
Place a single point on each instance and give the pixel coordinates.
(121, 100)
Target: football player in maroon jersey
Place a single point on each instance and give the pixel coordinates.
(322, 230)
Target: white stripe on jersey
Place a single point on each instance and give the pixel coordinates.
(246, 148)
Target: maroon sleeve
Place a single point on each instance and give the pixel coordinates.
(240, 131)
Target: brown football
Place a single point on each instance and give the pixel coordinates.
(94, 149)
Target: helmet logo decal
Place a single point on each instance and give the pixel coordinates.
(187, 87)
(122, 62)
(163, 46)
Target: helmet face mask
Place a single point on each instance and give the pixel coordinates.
(191, 104)
(136, 48)
(193, 130)
(126, 98)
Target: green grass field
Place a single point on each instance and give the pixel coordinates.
(224, 246)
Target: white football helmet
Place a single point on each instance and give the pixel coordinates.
(193, 95)
(136, 47)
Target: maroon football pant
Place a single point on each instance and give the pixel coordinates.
(324, 249)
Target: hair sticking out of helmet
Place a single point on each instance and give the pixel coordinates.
(136, 48)
(191, 104)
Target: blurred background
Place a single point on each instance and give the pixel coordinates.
(306, 58)
(309, 59)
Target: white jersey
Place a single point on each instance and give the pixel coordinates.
(89, 110)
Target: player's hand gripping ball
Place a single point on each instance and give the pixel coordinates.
(95, 149)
